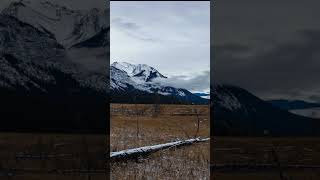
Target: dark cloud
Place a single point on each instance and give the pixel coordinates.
(225, 48)
(270, 48)
(283, 69)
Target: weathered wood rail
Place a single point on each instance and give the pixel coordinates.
(147, 150)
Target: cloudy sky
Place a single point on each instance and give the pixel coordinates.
(269, 47)
(173, 37)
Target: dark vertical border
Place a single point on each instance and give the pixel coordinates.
(211, 86)
(108, 98)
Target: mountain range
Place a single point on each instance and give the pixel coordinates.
(53, 70)
(237, 112)
(144, 84)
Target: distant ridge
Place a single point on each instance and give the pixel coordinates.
(293, 104)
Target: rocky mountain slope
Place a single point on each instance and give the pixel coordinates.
(50, 79)
(238, 112)
(144, 83)
(69, 26)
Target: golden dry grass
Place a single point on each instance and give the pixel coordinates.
(171, 123)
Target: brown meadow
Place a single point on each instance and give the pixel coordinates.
(136, 125)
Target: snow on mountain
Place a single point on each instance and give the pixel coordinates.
(142, 71)
(138, 76)
(124, 66)
(225, 98)
(128, 77)
(238, 112)
(44, 84)
(33, 53)
(119, 79)
(68, 26)
(21, 55)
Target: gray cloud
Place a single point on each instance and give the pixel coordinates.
(131, 29)
(197, 83)
(272, 50)
(288, 69)
(125, 25)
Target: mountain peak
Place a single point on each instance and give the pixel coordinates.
(141, 71)
(130, 80)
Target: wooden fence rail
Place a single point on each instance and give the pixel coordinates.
(146, 150)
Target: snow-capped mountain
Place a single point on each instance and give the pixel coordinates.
(128, 79)
(26, 53)
(46, 81)
(33, 45)
(142, 71)
(30, 58)
(68, 26)
(238, 112)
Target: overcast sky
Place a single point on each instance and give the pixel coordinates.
(269, 47)
(173, 37)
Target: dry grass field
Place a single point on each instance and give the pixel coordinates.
(139, 125)
(52, 156)
(266, 158)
